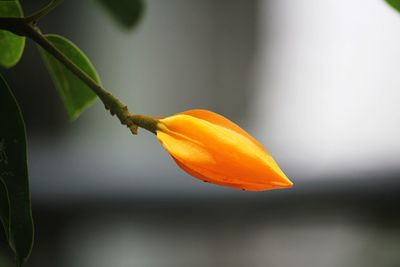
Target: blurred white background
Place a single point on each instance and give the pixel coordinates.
(328, 94)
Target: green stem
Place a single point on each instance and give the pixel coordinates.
(43, 12)
(146, 122)
(111, 102)
(22, 27)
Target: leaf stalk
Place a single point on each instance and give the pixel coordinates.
(27, 27)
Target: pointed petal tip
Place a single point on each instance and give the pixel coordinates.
(288, 183)
(284, 183)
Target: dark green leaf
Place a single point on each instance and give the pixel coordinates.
(4, 209)
(125, 12)
(394, 3)
(15, 206)
(76, 95)
(11, 45)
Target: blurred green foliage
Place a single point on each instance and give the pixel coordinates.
(11, 45)
(394, 3)
(15, 204)
(126, 12)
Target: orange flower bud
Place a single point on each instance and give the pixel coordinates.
(214, 149)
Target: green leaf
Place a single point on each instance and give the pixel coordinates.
(4, 208)
(15, 203)
(76, 95)
(394, 3)
(11, 45)
(126, 12)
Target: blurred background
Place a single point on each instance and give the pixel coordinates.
(316, 82)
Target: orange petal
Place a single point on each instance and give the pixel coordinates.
(221, 121)
(207, 179)
(214, 149)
